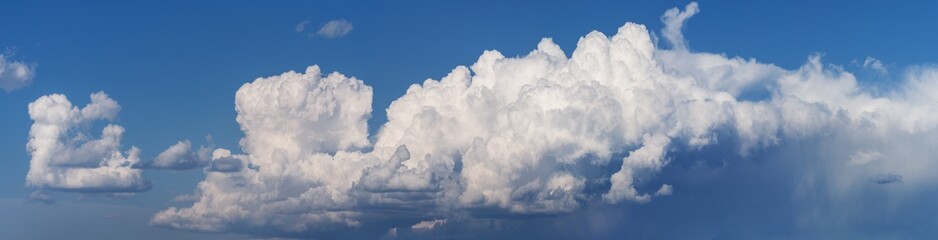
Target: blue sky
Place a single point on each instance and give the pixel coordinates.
(174, 68)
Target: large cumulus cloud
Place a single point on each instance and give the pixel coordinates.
(545, 133)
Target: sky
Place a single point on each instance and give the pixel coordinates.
(467, 120)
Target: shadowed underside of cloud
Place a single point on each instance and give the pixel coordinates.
(548, 137)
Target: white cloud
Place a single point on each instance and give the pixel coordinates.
(649, 156)
(665, 190)
(875, 65)
(674, 20)
(185, 198)
(15, 74)
(446, 144)
(428, 225)
(538, 134)
(300, 131)
(864, 157)
(181, 156)
(333, 29)
(64, 157)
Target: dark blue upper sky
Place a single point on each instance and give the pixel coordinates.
(174, 66)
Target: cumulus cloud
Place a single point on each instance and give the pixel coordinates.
(64, 157)
(665, 190)
(334, 29)
(223, 161)
(67, 156)
(181, 156)
(542, 134)
(300, 133)
(15, 74)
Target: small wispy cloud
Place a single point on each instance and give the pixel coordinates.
(332, 29)
(665, 190)
(428, 225)
(15, 74)
(874, 64)
(864, 157)
(674, 20)
(40, 196)
(335, 28)
(300, 27)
